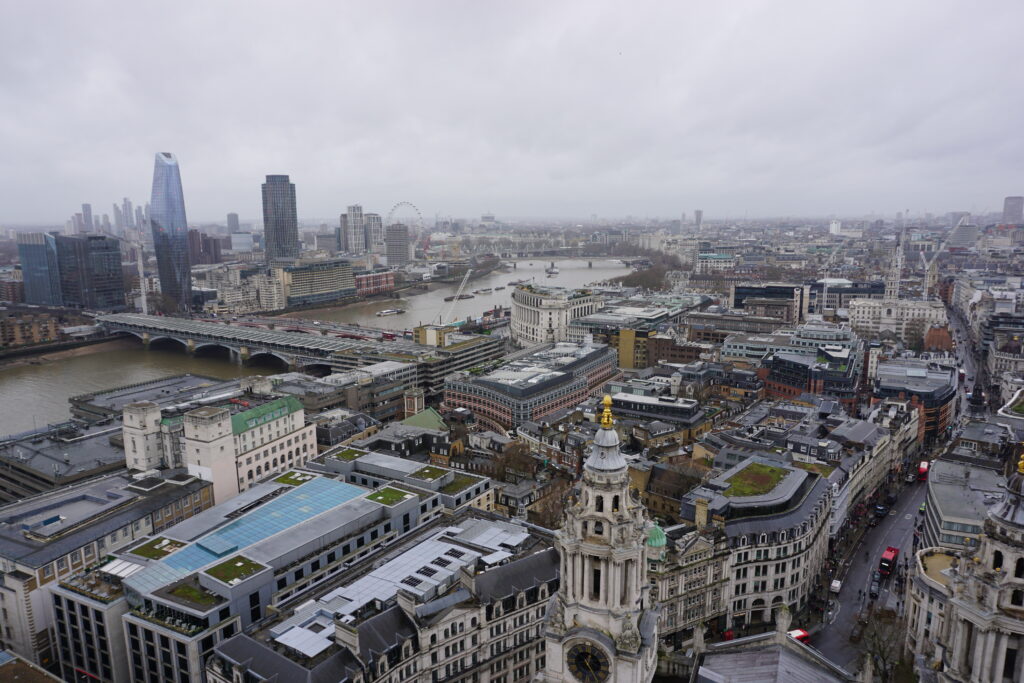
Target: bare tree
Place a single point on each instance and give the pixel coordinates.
(882, 642)
(548, 510)
(515, 462)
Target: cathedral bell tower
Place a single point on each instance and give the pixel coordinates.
(601, 627)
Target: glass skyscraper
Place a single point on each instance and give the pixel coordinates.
(280, 218)
(38, 254)
(170, 232)
(90, 272)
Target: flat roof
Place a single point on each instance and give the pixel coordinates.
(70, 450)
(962, 491)
(82, 513)
(163, 391)
(286, 512)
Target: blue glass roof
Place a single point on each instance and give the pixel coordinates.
(288, 510)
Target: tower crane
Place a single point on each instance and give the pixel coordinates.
(462, 288)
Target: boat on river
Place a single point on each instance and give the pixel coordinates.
(390, 311)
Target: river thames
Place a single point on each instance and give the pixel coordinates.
(33, 395)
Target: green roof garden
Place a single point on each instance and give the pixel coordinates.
(294, 478)
(755, 479)
(237, 567)
(157, 548)
(388, 496)
(349, 454)
(428, 473)
(193, 593)
(460, 483)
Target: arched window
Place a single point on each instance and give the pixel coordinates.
(599, 503)
(615, 503)
(997, 558)
(1017, 598)
(763, 539)
(599, 528)
(1018, 570)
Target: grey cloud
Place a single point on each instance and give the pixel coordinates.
(528, 109)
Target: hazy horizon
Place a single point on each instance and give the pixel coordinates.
(804, 111)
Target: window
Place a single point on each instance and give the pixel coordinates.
(997, 560)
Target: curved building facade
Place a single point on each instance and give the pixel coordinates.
(542, 315)
(170, 232)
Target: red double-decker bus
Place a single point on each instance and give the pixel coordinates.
(888, 563)
(922, 471)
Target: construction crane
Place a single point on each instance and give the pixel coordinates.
(462, 287)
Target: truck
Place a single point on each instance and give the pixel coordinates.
(889, 559)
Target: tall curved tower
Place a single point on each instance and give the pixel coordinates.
(601, 626)
(170, 232)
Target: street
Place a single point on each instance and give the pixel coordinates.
(896, 530)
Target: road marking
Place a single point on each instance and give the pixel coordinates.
(908, 516)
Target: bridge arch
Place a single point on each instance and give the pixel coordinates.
(270, 358)
(166, 342)
(317, 369)
(213, 349)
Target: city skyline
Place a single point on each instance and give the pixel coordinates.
(597, 115)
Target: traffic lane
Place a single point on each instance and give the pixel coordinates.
(897, 530)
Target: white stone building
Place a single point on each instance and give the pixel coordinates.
(542, 314)
(908, 319)
(231, 444)
(965, 613)
(602, 624)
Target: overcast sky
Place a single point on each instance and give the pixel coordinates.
(524, 109)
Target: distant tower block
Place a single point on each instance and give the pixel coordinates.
(1013, 210)
(835, 227)
(698, 218)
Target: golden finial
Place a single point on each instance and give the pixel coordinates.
(1020, 464)
(606, 416)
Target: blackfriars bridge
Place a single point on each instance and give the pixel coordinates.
(297, 346)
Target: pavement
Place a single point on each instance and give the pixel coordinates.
(897, 529)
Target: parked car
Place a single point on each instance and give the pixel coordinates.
(874, 589)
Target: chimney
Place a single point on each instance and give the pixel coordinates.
(783, 619)
(700, 517)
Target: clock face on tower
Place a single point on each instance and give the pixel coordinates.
(588, 663)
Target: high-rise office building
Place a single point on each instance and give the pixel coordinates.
(280, 219)
(698, 218)
(118, 219)
(1013, 210)
(38, 254)
(90, 273)
(233, 223)
(374, 231)
(128, 213)
(170, 232)
(87, 217)
(397, 240)
(355, 230)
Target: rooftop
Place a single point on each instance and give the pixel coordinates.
(163, 391)
(294, 511)
(934, 562)
(754, 480)
(68, 450)
(542, 369)
(962, 491)
(40, 529)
